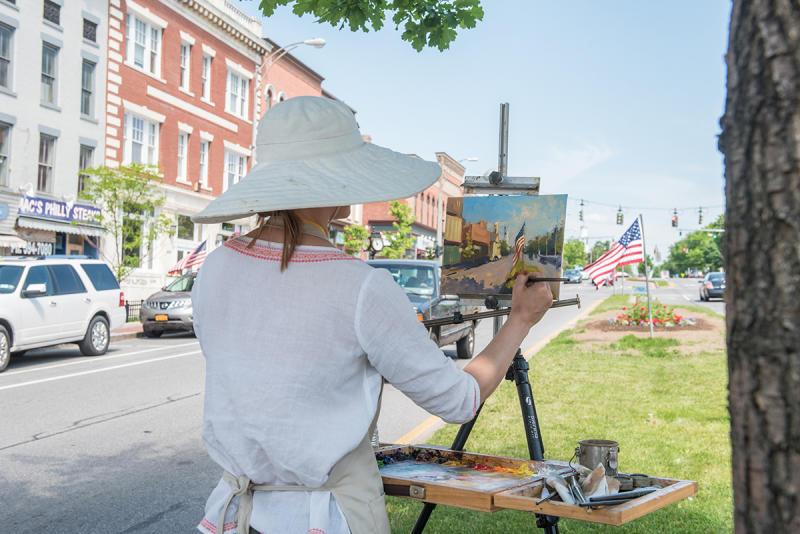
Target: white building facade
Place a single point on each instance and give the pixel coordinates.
(52, 122)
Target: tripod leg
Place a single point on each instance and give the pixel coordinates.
(518, 372)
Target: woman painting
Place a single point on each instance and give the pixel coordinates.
(298, 336)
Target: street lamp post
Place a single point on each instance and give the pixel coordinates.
(270, 61)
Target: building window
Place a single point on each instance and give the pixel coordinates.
(204, 164)
(183, 143)
(84, 162)
(268, 99)
(5, 133)
(185, 227)
(52, 12)
(49, 57)
(186, 56)
(236, 166)
(143, 45)
(5, 55)
(140, 141)
(87, 88)
(236, 102)
(89, 30)
(47, 148)
(206, 77)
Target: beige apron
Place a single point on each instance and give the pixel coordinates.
(354, 481)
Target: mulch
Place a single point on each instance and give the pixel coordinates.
(605, 326)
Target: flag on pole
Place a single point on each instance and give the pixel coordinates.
(627, 250)
(519, 245)
(194, 258)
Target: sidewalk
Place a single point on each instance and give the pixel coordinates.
(129, 331)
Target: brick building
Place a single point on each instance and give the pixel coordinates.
(182, 78)
(427, 206)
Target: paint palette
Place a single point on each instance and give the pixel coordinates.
(489, 483)
(463, 479)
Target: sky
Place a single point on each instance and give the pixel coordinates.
(616, 102)
(539, 214)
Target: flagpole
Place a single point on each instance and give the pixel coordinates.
(646, 275)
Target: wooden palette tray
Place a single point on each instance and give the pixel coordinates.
(451, 493)
(525, 495)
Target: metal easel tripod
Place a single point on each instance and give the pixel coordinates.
(518, 372)
(499, 183)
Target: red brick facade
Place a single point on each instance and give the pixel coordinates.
(134, 91)
(286, 78)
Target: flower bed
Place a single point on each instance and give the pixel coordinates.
(663, 315)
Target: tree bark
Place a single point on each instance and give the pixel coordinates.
(761, 143)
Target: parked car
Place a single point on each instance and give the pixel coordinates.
(713, 285)
(421, 281)
(575, 276)
(169, 310)
(49, 300)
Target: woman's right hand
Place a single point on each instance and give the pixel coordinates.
(530, 300)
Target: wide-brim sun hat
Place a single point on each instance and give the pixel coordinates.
(310, 154)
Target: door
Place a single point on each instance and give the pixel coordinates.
(72, 300)
(39, 311)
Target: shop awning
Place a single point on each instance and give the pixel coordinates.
(11, 241)
(56, 226)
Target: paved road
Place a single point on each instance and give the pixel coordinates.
(111, 444)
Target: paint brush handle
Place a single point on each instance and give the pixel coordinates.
(548, 279)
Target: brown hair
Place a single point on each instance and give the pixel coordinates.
(291, 232)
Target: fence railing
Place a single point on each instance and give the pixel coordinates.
(132, 310)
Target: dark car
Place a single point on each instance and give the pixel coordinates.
(575, 276)
(420, 280)
(713, 286)
(169, 310)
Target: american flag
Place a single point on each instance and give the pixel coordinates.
(195, 258)
(519, 245)
(624, 252)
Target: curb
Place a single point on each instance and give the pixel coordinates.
(125, 335)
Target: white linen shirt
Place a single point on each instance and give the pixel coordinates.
(293, 373)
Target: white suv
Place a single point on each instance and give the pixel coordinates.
(50, 300)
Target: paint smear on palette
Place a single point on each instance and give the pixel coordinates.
(458, 475)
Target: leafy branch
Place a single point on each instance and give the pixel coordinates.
(432, 23)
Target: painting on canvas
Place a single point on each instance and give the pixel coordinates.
(489, 240)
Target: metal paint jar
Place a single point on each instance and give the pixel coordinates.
(591, 452)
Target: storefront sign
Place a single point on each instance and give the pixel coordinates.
(54, 209)
(34, 248)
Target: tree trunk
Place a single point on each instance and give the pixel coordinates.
(761, 143)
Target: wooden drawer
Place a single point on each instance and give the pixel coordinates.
(525, 498)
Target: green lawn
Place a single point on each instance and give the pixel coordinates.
(667, 410)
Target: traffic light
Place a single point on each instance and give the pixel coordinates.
(580, 213)
(619, 215)
(700, 216)
(675, 219)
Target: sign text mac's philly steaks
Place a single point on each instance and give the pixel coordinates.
(54, 209)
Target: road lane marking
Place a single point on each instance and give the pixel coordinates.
(94, 359)
(93, 371)
(421, 428)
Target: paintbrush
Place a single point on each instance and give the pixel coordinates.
(548, 279)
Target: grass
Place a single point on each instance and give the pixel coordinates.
(667, 410)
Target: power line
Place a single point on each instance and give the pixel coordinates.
(582, 201)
